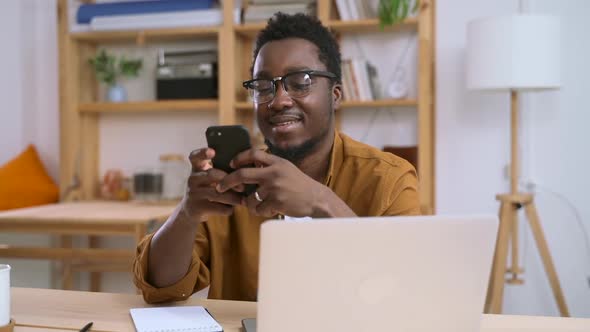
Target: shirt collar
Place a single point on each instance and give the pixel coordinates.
(336, 158)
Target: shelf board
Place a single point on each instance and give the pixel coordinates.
(140, 36)
(367, 25)
(150, 106)
(245, 105)
(249, 29)
(379, 103)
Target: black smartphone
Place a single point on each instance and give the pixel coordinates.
(228, 141)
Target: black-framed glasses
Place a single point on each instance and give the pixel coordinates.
(297, 84)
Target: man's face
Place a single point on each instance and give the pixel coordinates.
(291, 124)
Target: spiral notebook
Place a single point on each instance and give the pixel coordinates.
(171, 319)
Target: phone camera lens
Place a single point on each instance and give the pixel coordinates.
(218, 133)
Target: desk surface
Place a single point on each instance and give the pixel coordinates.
(90, 212)
(36, 310)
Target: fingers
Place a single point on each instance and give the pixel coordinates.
(214, 208)
(253, 157)
(202, 185)
(210, 194)
(205, 201)
(249, 175)
(201, 159)
(209, 177)
(264, 208)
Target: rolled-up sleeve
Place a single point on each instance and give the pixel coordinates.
(197, 277)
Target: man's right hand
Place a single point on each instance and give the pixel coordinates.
(201, 199)
(171, 247)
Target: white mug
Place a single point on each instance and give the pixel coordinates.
(4, 294)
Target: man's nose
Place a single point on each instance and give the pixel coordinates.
(281, 98)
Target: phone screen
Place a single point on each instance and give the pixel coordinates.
(228, 141)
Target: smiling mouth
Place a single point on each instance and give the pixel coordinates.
(282, 121)
(287, 123)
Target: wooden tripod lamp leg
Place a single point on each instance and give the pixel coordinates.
(501, 255)
(488, 304)
(533, 217)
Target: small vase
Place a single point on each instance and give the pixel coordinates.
(117, 93)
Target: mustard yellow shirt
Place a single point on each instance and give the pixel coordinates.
(225, 254)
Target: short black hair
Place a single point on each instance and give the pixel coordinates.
(283, 26)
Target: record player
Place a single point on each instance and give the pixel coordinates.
(186, 75)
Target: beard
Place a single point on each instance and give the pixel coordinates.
(296, 154)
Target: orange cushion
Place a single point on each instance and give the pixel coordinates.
(24, 182)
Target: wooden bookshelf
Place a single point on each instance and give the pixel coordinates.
(142, 36)
(249, 29)
(379, 103)
(80, 108)
(151, 106)
(368, 25)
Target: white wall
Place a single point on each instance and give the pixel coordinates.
(29, 112)
(557, 141)
(10, 84)
(28, 88)
(472, 132)
(473, 148)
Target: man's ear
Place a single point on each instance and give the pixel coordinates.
(337, 95)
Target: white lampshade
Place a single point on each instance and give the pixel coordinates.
(516, 52)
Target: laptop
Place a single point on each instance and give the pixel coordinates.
(423, 273)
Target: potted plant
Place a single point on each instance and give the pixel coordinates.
(109, 69)
(395, 11)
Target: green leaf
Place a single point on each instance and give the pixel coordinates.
(405, 9)
(383, 11)
(395, 11)
(416, 5)
(108, 69)
(130, 68)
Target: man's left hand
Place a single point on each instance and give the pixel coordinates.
(282, 187)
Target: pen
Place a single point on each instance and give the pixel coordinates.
(86, 327)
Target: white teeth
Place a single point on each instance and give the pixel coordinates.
(285, 123)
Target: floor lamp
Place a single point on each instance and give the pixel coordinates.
(512, 54)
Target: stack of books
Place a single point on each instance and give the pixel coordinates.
(135, 15)
(360, 80)
(262, 10)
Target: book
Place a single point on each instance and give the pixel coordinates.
(86, 12)
(343, 10)
(360, 72)
(254, 13)
(374, 84)
(267, 2)
(170, 319)
(353, 10)
(203, 17)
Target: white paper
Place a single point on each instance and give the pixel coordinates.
(189, 318)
